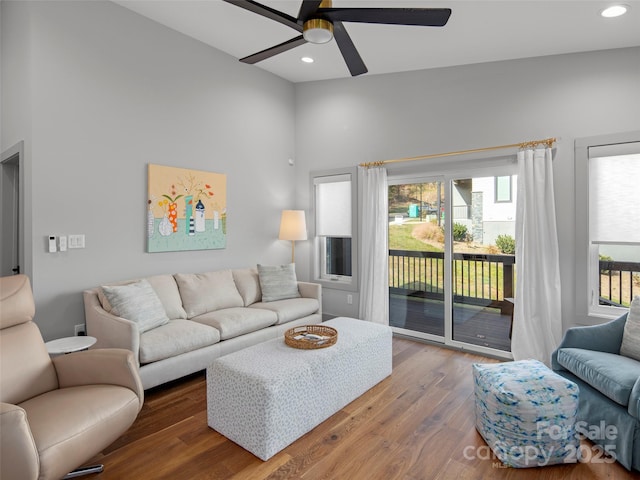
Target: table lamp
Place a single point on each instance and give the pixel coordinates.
(293, 226)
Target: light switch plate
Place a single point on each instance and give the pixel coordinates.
(76, 241)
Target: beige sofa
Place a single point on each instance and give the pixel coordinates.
(207, 315)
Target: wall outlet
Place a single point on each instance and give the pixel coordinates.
(349, 299)
(80, 330)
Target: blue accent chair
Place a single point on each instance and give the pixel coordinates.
(609, 402)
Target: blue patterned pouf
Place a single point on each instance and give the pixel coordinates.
(526, 413)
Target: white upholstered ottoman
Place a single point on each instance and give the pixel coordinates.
(266, 396)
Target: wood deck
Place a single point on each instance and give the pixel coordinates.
(484, 326)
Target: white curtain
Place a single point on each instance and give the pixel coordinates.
(374, 276)
(537, 321)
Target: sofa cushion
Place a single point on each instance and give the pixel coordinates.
(174, 338)
(165, 287)
(232, 322)
(611, 374)
(167, 290)
(278, 282)
(248, 285)
(206, 292)
(137, 302)
(291, 309)
(631, 336)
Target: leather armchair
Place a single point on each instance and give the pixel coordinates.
(56, 414)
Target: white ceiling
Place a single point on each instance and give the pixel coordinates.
(478, 31)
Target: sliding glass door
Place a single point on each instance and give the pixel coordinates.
(483, 258)
(416, 258)
(452, 258)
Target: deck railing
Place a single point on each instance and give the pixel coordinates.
(484, 279)
(479, 279)
(619, 282)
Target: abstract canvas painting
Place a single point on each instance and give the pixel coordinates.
(186, 209)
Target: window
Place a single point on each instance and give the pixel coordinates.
(334, 202)
(337, 260)
(608, 272)
(503, 189)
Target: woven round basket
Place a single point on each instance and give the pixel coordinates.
(309, 337)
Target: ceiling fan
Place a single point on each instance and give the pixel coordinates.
(319, 22)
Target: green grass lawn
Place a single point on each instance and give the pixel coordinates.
(400, 239)
(472, 278)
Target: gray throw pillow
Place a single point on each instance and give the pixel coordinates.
(137, 302)
(278, 282)
(631, 335)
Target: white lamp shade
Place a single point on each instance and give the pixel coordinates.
(293, 225)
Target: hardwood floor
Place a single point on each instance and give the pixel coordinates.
(417, 424)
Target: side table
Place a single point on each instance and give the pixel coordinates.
(69, 344)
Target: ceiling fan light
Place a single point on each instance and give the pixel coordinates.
(317, 30)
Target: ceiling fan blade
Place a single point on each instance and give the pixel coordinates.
(270, 52)
(267, 12)
(348, 49)
(307, 9)
(429, 17)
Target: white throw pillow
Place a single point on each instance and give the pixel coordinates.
(278, 282)
(137, 302)
(207, 292)
(631, 337)
(165, 287)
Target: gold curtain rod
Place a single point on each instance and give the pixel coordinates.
(547, 142)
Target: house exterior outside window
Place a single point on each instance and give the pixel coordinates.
(503, 189)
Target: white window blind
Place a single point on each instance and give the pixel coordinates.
(614, 179)
(333, 206)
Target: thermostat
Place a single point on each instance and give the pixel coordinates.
(52, 244)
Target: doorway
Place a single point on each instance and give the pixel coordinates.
(452, 258)
(12, 240)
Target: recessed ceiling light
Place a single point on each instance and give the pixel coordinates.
(614, 11)
(307, 59)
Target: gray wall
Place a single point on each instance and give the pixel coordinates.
(345, 122)
(98, 92)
